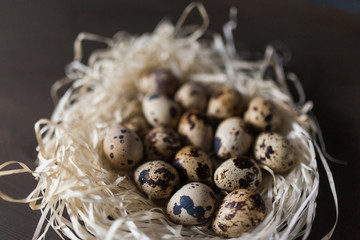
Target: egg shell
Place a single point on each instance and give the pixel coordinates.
(160, 110)
(193, 165)
(192, 204)
(238, 172)
(157, 179)
(158, 81)
(138, 125)
(241, 211)
(232, 138)
(192, 95)
(195, 129)
(161, 143)
(123, 148)
(225, 103)
(262, 115)
(275, 151)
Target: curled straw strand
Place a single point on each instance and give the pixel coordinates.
(201, 30)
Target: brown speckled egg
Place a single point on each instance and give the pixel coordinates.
(192, 95)
(192, 204)
(161, 143)
(193, 165)
(158, 81)
(196, 129)
(232, 138)
(275, 151)
(238, 172)
(137, 124)
(224, 103)
(241, 211)
(160, 110)
(262, 115)
(123, 148)
(157, 179)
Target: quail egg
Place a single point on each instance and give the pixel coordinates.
(192, 204)
(238, 172)
(137, 124)
(161, 143)
(232, 138)
(241, 211)
(224, 103)
(157, 179)
(262, 115)
(196, 129)
(275, 151)
(123, 148)
(158, 81)
(160, 110)
(193, 165)
(192, 95)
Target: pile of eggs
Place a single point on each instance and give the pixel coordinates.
(193, 130)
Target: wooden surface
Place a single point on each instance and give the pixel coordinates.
(36, 40)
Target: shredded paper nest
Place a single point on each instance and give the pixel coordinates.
(79, 195)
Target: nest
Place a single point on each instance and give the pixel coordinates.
(81, 197)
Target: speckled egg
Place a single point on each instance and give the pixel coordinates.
(157, 179)
(138, 125)
(196, 129)
(192, 95)
(158, 81)
(241, 211)
(238, 172)
(232, 138)
(262, 115)
(192, 204)
(160, 110)
(161, 143)
(275, 151)
(193, 165)
(224, 103)
(122, 147)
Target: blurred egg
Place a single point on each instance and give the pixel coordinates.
(160, 81)
(138, 125)
(275, 151)
(225, 103)
(161, 143)
(262, 115)
(160, 110)
(196, 129)
(192, 95)
(232, 138)
(122, 148)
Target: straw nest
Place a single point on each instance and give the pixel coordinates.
(79, 195)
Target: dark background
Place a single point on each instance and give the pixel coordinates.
(348, 5)
(36, 40)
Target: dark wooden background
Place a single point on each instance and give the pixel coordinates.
(36, 40)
